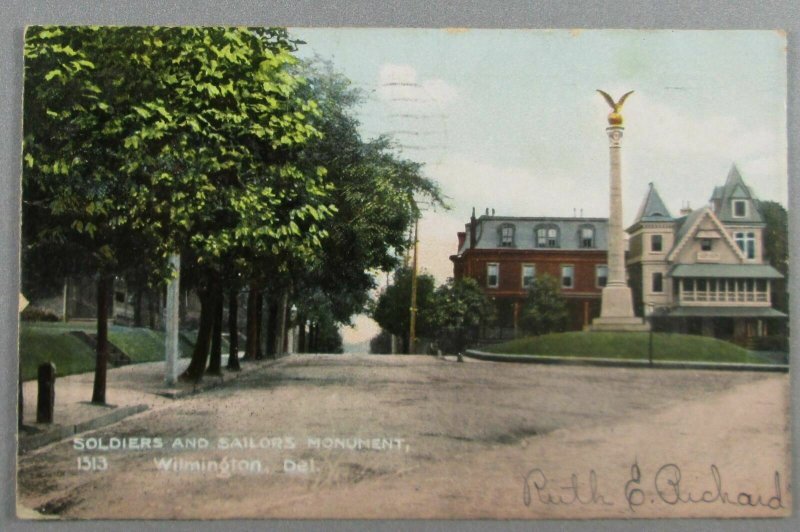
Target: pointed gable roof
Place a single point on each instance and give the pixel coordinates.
(689, 227)
(735, 188)
(653, 208)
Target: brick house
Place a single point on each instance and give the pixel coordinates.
(504, 254)
(704, 272)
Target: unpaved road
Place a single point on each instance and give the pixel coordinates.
(471, 440)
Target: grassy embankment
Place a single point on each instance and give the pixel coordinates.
(50, 341)
(629, 346)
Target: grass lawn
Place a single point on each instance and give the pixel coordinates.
(634, 345)
(50, 341)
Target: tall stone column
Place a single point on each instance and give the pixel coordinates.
(616, 313)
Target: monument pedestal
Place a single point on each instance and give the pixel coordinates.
(616, 313)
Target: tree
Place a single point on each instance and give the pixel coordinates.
(460, 308)
(373, 193)
(391, 311)
(545, 310)
(149, 141)
(776, 247)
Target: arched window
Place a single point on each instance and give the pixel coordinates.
(547, 236)
(506, 234)
(586, 237)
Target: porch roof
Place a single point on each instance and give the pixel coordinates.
(729, 271)
(724, 312)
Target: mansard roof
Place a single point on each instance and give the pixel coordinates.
(487, 232)
(735, 188)
(653, 208)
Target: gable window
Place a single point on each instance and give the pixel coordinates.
(658, 282)
(739, 208)
(601, 273)
(506, 235)
(587, 237)
(746, 243)
(567, 276)
(528, 275)
(705, 244)
(492, 275)
(547, 237)
(656, 243)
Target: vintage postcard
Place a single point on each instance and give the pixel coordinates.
(403, 273)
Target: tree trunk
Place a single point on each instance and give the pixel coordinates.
(272, 313)
(101, 362)
(137, 307)
(301, 333)
(250, 345)
(194, 373)
(215, 361)
(233, 330)
(151, 309)
(259, 320)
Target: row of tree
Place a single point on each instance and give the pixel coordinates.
(217, 144)
(455, 313)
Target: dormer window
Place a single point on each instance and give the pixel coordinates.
(586, 237)
(506, 235)
(739, 208)
(547, 236)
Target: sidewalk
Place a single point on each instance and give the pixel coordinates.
(130, 390)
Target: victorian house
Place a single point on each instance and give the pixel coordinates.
(504, 254)
(704, 271)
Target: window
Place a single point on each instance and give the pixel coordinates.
(656, 243)
(528, 275)
(739, 208)
(658, 282)
(706, 244)
(492, 275)
(747, 243)
(547, 237)
(567, 276)
(507, 236)
(587, 237)
(601, 272)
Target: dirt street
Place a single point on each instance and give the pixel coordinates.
(425, 438)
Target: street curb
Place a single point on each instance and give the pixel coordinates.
(216, 382)
(34, 441)
(619, 363)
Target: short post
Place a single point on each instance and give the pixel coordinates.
(47, 393)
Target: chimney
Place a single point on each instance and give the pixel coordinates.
(473, 226)
(462, 236)
(487, 211)
(581, 212)
(492, 211)
(685, 209)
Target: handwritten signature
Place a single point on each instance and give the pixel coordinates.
(668, 487)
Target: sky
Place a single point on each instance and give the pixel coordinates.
(510, 120)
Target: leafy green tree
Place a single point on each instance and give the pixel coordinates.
(183, 139)
(392, 310)
(776, 247)
(545, 309)
(460, 308)
(373, 194)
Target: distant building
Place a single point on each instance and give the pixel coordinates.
(504, 254)
(704, 272)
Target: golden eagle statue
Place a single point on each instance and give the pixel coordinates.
(615, 117)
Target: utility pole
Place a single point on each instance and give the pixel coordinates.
(412, 335)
